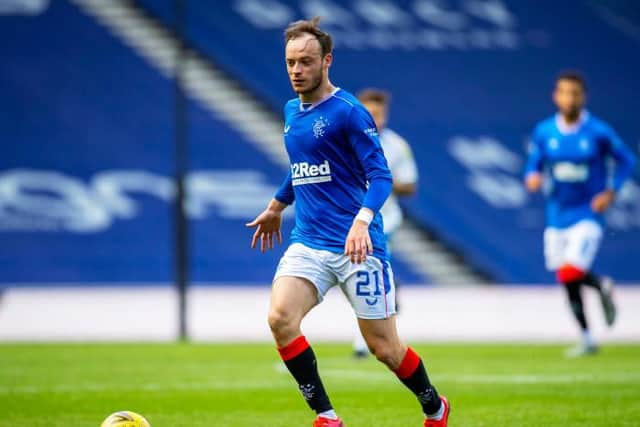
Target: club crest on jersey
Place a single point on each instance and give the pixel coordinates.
(319, 127)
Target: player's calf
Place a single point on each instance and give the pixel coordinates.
(414, 376)
(300, 360)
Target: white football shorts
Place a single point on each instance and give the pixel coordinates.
(368, 286)
(576, 245)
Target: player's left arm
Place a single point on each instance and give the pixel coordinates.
(363, 137)
(625, 162)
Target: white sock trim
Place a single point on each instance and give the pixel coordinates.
(330, 414)
(438, 415)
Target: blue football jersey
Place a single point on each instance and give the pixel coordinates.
(575, 160)
(337, 167)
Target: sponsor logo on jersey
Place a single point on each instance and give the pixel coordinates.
(570, 172)
(306, 173)
(286, 129)
(320, 126)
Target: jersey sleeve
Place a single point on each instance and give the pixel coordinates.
(625, 159)
(363, 137)
(285, 192)
(535, 157)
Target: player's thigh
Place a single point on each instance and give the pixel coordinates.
(583, 242)
(554, 248)
(301, 280)
(369, 287)
(292, 298)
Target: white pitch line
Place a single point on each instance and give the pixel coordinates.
(612, 378)
(358, 374)
(209, 386)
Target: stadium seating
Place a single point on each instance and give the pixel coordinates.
(87, 119)
(86, 191)
(66, 87)
(89, 122)
(469, 80)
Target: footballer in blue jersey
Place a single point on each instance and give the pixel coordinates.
(337, 168)
(338, 180)
(572, 151)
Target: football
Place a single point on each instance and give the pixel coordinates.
(125, 419)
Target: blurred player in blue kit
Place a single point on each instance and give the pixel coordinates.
(572, 151)
(338, 179)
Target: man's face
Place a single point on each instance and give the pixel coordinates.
(379, 113)
(569, 97)
(305, 65)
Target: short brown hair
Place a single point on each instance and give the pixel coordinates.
(573, 76)
(298, 28)
(378, 96)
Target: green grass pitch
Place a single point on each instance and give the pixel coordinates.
(238, 385)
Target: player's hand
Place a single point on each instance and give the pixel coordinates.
(533, 182)
(268, 223)
(358, 244)
(602, 201)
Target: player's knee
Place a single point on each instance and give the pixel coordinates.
(280, 320)
(569, 273)
(381, 353)
(385, 353)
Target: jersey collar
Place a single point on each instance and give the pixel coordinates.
(566, 128)
(314, 105)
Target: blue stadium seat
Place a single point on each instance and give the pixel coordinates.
(86, 172)
(85, 122)
(466, 77)
(84, 117)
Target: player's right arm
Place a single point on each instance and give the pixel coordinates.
(269, 222)
(535, 163)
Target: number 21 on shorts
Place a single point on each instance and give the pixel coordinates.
(364, 287)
